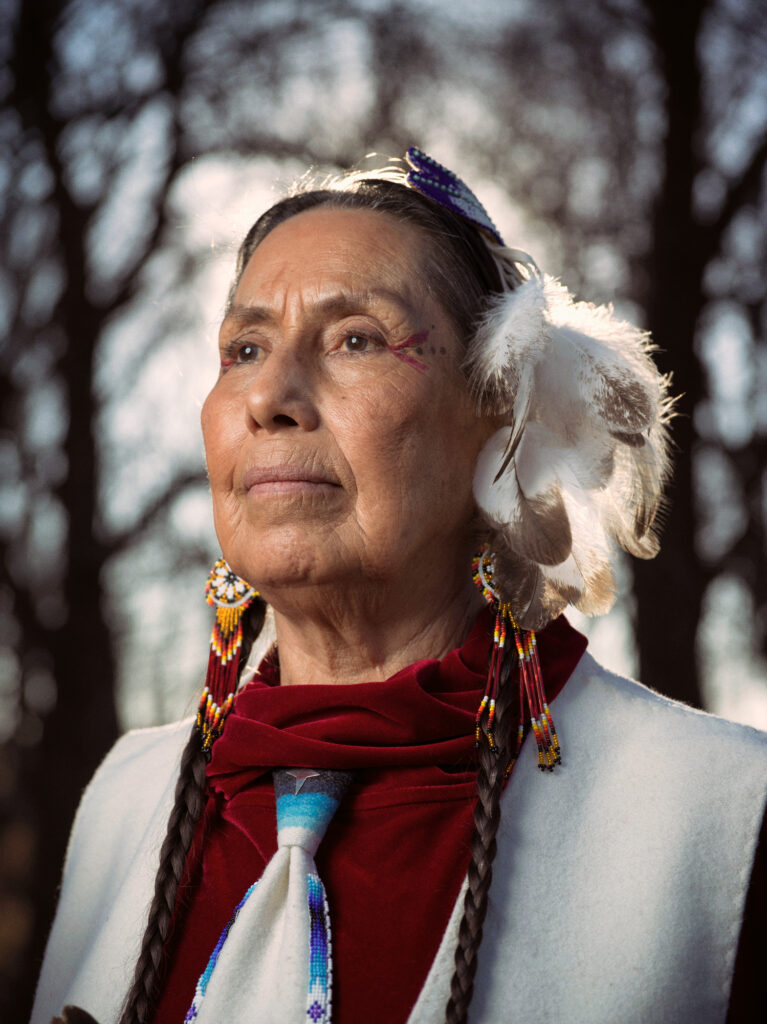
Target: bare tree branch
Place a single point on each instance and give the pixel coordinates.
(154, 511)
(744, 190)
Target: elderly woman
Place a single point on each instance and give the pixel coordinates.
(420, 451)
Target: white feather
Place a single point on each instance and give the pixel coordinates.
(511, 338)
(499, 499)
(585, 452)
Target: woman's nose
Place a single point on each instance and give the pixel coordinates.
(282, 393)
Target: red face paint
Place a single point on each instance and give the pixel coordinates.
(414, 341)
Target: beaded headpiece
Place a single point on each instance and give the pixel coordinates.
(431, 179)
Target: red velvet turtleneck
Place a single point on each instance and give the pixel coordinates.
(396, 853)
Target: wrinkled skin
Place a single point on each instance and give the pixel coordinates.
(341, 440)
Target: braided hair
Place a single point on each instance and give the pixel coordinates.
(188, 804)
(487, 817)
(463, 278)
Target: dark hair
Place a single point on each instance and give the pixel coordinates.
(463, 277)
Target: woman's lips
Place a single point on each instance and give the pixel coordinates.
(285, 479)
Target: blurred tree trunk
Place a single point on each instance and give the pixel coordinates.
(83, 724)
(669, 589)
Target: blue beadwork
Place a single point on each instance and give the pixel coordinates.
(319, 998)
(310, 811)
(319, 1002)
(202, 984)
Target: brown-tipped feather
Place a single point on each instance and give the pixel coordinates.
(516, 578)
(598, 595)
(542, 530)
(547, 604)
(623, 403)
(632, 440)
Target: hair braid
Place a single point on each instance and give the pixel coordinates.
(187, 807)
(487, 816)
(189, 800)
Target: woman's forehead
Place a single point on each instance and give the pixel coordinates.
(335, 302)
(364, 249)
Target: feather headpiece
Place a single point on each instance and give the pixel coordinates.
(581, 463)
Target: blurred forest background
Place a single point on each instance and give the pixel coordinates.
(622, 142)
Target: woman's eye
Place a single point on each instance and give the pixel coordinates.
(246, 353)
(238, 353)
(356, 343)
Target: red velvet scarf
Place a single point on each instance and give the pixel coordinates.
(395, 855)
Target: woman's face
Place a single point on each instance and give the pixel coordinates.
(340, 435)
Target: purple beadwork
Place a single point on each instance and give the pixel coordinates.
(319, 1003)
(431, 179)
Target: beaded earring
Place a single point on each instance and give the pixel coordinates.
(531, 689)
(231, 597)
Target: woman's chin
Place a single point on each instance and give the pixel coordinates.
(281, 512)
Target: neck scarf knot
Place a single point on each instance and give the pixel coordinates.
(272, 963)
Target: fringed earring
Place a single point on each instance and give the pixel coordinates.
(531, 690)
(231, 597)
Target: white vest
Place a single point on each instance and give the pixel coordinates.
(618, 888)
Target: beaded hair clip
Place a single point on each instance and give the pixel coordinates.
(530, 678)
(433, 180)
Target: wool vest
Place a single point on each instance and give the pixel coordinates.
(618, 888)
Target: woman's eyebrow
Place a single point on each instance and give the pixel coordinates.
(339, 304)
(345, 302)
